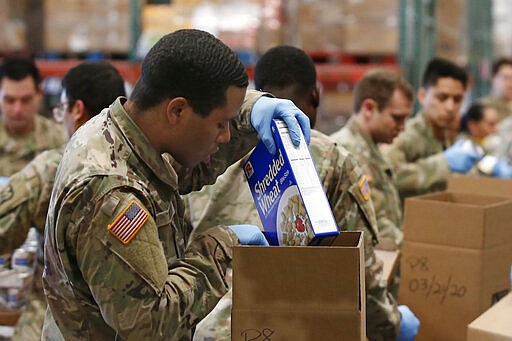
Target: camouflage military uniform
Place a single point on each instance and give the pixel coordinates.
(501, 106)
(386, 200)
(418, 160)
(23, 204)
(152, 282)
(16, 152)
(229, 201)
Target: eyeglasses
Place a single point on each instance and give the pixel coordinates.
(59, 111)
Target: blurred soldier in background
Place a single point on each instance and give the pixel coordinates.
(423, 155)
(23, 132)
(288, 72)
(501, 92)
(87, 89)
(478, 123)
(383, 100)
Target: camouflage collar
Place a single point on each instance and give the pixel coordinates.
(356, 128)
(140, 144)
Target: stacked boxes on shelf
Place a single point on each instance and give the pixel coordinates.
(81, 26)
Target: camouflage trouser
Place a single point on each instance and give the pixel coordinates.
(30, 323)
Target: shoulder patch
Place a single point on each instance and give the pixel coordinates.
(128, 223)
(364, 188)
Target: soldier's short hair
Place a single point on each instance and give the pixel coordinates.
(97, 84)
(498, 63)
(379, 84)
(285, 66)
(443, 68)
(192, 64)
(18, 68)
(475, 113)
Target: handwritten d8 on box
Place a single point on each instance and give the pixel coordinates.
(288, 193)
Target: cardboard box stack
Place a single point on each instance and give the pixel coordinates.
(300, 293)
(456, 259)
(494, 324)
(80, 26)
(352, 27)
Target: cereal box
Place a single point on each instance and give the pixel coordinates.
(288, 193)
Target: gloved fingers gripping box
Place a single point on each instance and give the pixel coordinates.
(288, 194)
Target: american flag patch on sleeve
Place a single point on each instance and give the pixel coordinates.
(128, 223)
(364, 188)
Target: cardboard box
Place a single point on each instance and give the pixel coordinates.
(80, 26)
(456, 260)
(9, 317)
(300, 293)
(288, 194)
(480, 185)
(494, 324)
(390, 262)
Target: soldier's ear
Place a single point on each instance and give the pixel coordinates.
(369, 106)
(175, 109)
(79, 113)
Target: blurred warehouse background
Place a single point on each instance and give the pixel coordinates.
(345, 38)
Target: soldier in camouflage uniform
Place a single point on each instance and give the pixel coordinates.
(501, 95)
(119, 263)
(423, 155)
(88, 88)
(382, 102)
(23, 132)
(288, 72)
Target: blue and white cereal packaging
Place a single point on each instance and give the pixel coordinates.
(288, 194)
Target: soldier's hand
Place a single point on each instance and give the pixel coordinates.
(460, 158)
(249, 235)
(495, 166)
(267, 108)
(409, 324)
(502, 169)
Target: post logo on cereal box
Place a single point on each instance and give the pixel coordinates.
(249, 170)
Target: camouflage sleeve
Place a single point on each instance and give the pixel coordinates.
(382, 315)
(390, 234)
(16, 205)
(144, 296)
(243, 138)
(342, 186)
(24, 201)
(353, 210)
(418, 175)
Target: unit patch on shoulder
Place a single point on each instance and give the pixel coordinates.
(364, 188)
(128, 223)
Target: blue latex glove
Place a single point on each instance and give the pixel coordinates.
(3, 180)
(460, 157)
(267, 108)
(249, 235)
(502, 169)
(409, 324)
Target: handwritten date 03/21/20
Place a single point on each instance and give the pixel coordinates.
(431, 285)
